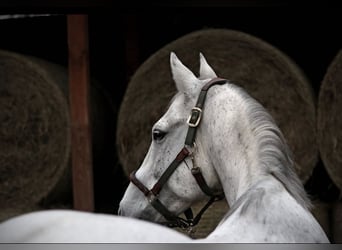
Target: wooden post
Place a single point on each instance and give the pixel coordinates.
(81, 151)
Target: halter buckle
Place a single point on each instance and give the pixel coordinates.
(195, 117)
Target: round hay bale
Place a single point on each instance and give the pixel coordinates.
(35, 131)
(264, 71)
(329, 120)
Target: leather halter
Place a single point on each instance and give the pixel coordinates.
(152, 195)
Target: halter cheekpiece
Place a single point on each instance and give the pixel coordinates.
(152, 195)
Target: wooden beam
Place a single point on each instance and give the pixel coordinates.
(82, 171)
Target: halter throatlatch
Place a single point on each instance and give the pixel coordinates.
(152, 195)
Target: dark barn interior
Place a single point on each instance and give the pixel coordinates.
(122, 38)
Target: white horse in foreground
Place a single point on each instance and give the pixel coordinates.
(239, 150)
(64, 226)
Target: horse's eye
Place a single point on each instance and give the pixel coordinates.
(158, 135)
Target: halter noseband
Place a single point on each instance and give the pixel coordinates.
(152, 195)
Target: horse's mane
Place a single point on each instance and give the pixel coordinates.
(275, 156)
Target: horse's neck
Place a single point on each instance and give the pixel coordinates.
(245, 145)
(233, 148)
(253, 165)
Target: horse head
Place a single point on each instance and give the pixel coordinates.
(165, 180)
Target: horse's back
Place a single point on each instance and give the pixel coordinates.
(60, 226)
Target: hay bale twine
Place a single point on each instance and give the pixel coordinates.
(329, 120)
(35, 131)
(264, 71)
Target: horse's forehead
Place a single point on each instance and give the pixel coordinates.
(178, 107)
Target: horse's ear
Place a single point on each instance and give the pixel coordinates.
(206, 72)
(185, 80)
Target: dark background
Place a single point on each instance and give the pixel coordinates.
(123, 37)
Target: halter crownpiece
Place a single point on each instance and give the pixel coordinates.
(152, 195)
